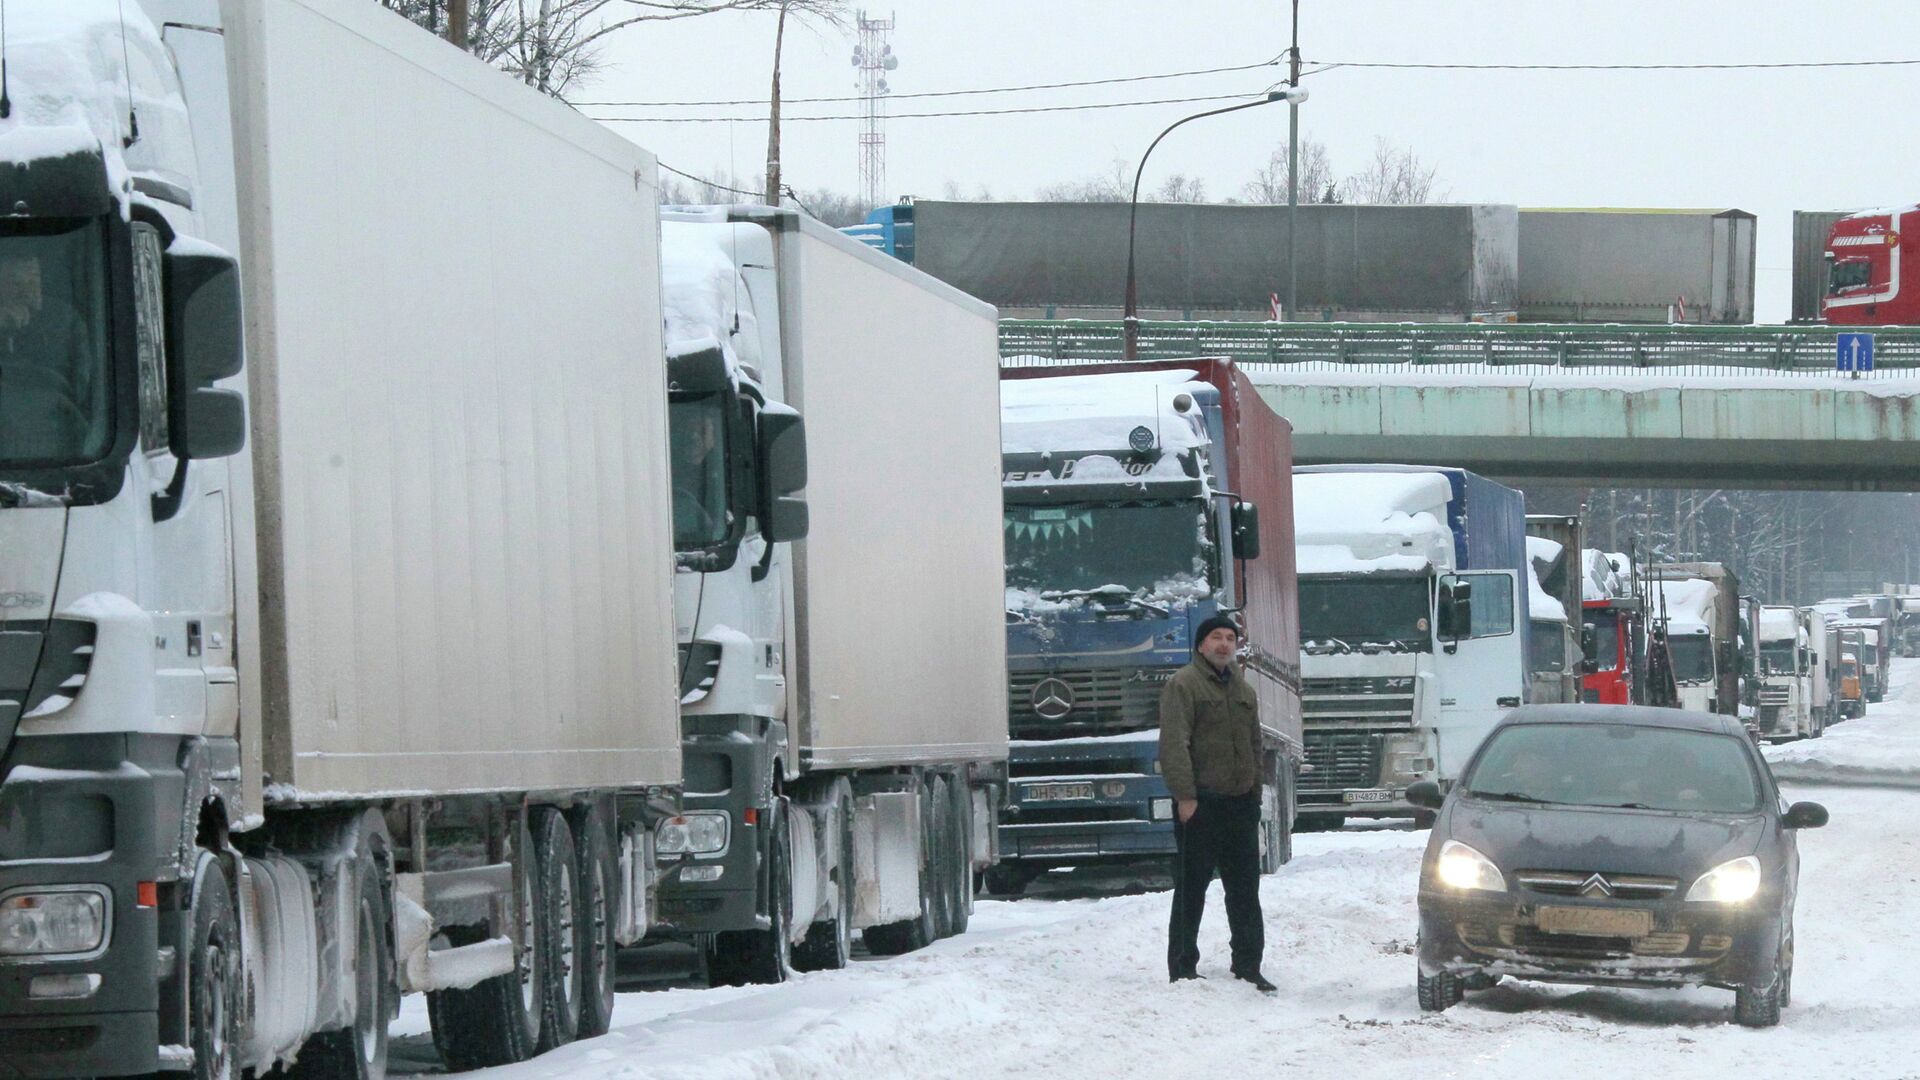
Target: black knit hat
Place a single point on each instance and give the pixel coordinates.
(1210, 625)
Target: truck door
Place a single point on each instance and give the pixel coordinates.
(1483, 670)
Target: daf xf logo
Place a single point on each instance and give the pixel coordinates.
(1052, 699)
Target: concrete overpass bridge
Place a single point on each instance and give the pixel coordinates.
(1735, 406)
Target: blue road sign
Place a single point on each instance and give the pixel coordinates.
(1855, 352)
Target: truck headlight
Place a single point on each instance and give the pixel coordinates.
(698, 832)
(1461, 867)
(53, 923)
(1732, 882)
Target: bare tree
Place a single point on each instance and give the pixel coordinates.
(951, 191)
(1115, 186)
(1395, 176)
(1180, 188)
(1269, 183)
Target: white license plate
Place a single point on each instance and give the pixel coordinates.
(1057, 792)
(1595, 922)
(1373, 795)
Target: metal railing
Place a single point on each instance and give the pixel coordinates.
(1520, 349)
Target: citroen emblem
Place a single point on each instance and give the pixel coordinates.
(1595, 886)
(1052, 699)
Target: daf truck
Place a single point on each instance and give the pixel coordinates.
(1138, 503)
(337, 660)
(1413, 628)
(841, 646)
(1697, 608)
(1785, 693)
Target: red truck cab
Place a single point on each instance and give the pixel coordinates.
(1609, 652)
(1872, 258)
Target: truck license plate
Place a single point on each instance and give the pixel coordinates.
(1372, 795)
(1595, 922)
(1057, 792)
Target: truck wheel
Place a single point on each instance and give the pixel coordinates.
(497, 1022)
(961, 868)
(907, 935)
(742, 957)
(215, 980)
(828, 945)
(599, 897)
(359, 1051)
(940, 856)
(558, 928)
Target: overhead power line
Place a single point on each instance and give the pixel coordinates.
(932, 93)
(920, 115)
(1330, 64)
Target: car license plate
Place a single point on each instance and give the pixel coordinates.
(1373, 795)
(1595, 921)
(1057, 792)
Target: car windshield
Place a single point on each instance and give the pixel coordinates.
(1616, 765)
(1692, 658)
(56, 386)
(1080, 547)
(1368, 609)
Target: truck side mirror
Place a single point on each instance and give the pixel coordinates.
(783, 469)
(1246, 530)
(1589, 640)
(204, 345)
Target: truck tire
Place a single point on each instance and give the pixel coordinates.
(744, 957)
(828, 945)
(215, 979)
(1008, 879)
(940, 856)
(558, 928)
(496, 1022)
(359, 1051)
(961, 874)
(597, 912)
(894, 939)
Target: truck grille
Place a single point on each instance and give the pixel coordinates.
(1343, 759)
(1770, 695)
(1368, 700)
(1096, 701)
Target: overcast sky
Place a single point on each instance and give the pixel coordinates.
(1766, 141)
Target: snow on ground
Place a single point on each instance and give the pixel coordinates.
(1077, 987)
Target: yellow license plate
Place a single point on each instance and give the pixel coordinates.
(1595, 921)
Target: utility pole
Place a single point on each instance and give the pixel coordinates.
(1292, 310)
(773, 118)
(457, 22)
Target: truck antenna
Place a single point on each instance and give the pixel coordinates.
(6, 103)
(126, 75)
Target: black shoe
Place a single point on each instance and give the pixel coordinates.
(1258, 980)
(1185, 975)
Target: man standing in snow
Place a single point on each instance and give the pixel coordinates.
(1210, 759)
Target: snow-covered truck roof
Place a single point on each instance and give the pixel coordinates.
(1689, 604)
(1605, 575)
(1366, 522)
(1779, 624)
(1541, 605)
(1091, 413)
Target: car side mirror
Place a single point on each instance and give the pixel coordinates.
(1246, 530)
(204, 345)
(1425, 794)
(1804, 815)
(782, 451)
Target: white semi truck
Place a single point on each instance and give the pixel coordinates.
(843, 695)
(1786, 691)
(338, 658)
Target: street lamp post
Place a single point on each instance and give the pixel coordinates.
(1131, 320)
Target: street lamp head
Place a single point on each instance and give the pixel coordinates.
(1292, 95)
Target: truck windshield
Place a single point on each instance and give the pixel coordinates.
(56, 381)
(696, 424)
(1849, 274)
(1546, 645)
(1606, 640)
(1692, 658)
(1356, 611)
(1778, 659)
(1617, 765)
(1143, 547)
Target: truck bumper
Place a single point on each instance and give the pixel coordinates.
(1079, 844)
(725, 773)
(96, 811)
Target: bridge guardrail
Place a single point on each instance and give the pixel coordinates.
(1469, 348)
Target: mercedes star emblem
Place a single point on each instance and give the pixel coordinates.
(1052, 699)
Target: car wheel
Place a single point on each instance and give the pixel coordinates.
(1438, 993)
(1785, 982)
(1757, 1008)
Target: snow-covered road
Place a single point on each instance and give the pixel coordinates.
(1077, 988)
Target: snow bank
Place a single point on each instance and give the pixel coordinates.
(1359, 522)
(1881, 749)
(1073, 413)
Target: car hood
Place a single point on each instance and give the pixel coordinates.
(1522, 837)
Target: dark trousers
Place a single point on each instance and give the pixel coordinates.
(1223, 836)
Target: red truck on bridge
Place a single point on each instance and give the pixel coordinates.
(1872, 259)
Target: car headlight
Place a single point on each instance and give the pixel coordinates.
(52, 923)
(1732, 882)
(700, 832)
(1461, 867)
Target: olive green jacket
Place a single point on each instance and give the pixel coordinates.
(1209, 733)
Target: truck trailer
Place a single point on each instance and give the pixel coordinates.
(338, 652)
(1140, 500)
(845, 734)
(1413, 628)
(1636, 266)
